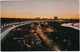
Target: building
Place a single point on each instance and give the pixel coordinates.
(37, 17)
(55, 18)
(44, 18)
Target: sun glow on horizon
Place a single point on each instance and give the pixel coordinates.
(65, 9)
(69, 17)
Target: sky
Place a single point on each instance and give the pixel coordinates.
(40, 8)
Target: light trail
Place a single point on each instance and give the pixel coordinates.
(48, 41)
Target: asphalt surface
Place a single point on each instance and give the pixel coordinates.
(47, 40)
(61, 39)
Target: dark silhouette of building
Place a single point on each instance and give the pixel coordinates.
(44, 18)
(37, 17)
(55, 17)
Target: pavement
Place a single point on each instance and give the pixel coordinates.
(48, 41)
(5, 32)
(70, 25)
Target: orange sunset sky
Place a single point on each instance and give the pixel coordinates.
(40, 8)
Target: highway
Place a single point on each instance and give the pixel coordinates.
(5, 30)
(59, 36)
(71, 25)
(48, 41)
(8, 29)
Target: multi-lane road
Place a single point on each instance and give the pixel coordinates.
(40, 35)
(48, 41)
(7, 29)
(4, 29)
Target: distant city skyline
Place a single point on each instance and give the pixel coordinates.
(65, 9)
